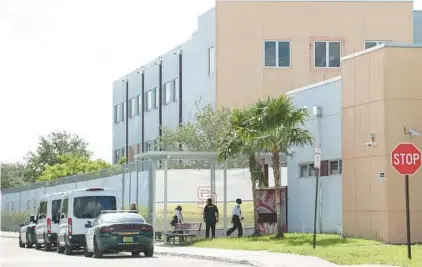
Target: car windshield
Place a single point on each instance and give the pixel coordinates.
(55, 206)
(122, 218)
(90, 207)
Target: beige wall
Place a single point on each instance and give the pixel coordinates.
(243, 26)
(381, 94)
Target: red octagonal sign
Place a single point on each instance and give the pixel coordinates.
(406, 158)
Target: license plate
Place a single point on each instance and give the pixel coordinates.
(127, 239)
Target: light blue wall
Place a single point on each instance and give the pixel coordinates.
(417, 26)
(302, 189)
(197, 85)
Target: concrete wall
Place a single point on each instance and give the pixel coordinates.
(243, 26)
(381, 95)
(301, 188)
(197, 85)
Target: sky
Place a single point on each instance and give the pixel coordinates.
(58, 59)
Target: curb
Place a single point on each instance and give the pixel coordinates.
(210, 258)
(192, 256)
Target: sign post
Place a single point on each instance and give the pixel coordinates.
(317, 165)
(406, 159)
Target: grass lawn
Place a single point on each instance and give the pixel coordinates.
(329, 247)
(192, 213)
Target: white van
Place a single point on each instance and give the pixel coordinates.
(78, 208)
(47, 220)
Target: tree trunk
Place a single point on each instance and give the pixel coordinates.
(277, 178)
(255, 170)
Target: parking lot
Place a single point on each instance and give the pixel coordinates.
(13, 256)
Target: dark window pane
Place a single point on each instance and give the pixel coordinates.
(335, 54)
(340, 166)
(270, 54)
(324, 168)
(311, 170)
(55, 206)
(122, 218)
(320, 54)
(91, 206)
(303, 170)
(334, 170)
(284, 54)
(370, 44)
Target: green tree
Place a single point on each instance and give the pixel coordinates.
(282, 127)
(50, 148)
(238, 143)
(71, 164)
(12, 174)
(122, 161)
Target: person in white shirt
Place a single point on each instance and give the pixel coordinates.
(236, 219)
(178, 214)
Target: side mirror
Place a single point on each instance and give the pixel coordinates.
(54, 218)
(21, 224)
(32, 219)
(62, 216)
(88, 224)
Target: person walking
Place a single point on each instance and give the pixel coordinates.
(210, 218)
(236, 219)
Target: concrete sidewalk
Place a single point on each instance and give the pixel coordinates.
(251, 258)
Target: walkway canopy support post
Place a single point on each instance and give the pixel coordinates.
(165, 195)
(212, 180)
(225, 198)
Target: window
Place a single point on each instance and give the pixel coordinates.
(311, 170)
(327, 54)
(133, 107)
(211, 60)
(167, 92)
(123, 111)
(335, 167)
(323, 171)
(175, 90)
(157, 97)
(303, 168)
(117, 113)
(64, 208)
(55, 206)
(139, 104)
(277, 54)
(91, 206)
(42, 209)
(148, 100)
(369, 44)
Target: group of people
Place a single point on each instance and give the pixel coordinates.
(211, 216)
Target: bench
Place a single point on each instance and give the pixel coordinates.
(185, 232)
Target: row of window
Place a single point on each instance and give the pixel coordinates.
(327, 54)
(328, 167)
(31, 206)
(152, 101)
(133, 150)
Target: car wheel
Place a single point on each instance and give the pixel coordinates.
(59, 248)
(135, 253)
(28, 244)
(97, 252)
(87, 254)
(67, 249)
(21, 245)
(37, 245)
(149, 253)
(47, 246)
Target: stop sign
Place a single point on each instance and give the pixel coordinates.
(406, 158)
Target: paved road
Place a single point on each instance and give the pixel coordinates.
(13, 256)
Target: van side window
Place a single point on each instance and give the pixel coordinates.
(55, 206)
(42, 210)
(65, 207)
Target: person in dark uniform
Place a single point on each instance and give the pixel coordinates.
(236, 219)
(210, 218)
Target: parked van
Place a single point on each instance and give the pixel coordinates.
(80, 207)
(47, 220)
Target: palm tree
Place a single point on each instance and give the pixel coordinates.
(239, 143)
(283, 125)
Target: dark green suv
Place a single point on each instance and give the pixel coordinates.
(119, 231)
(27, 233)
